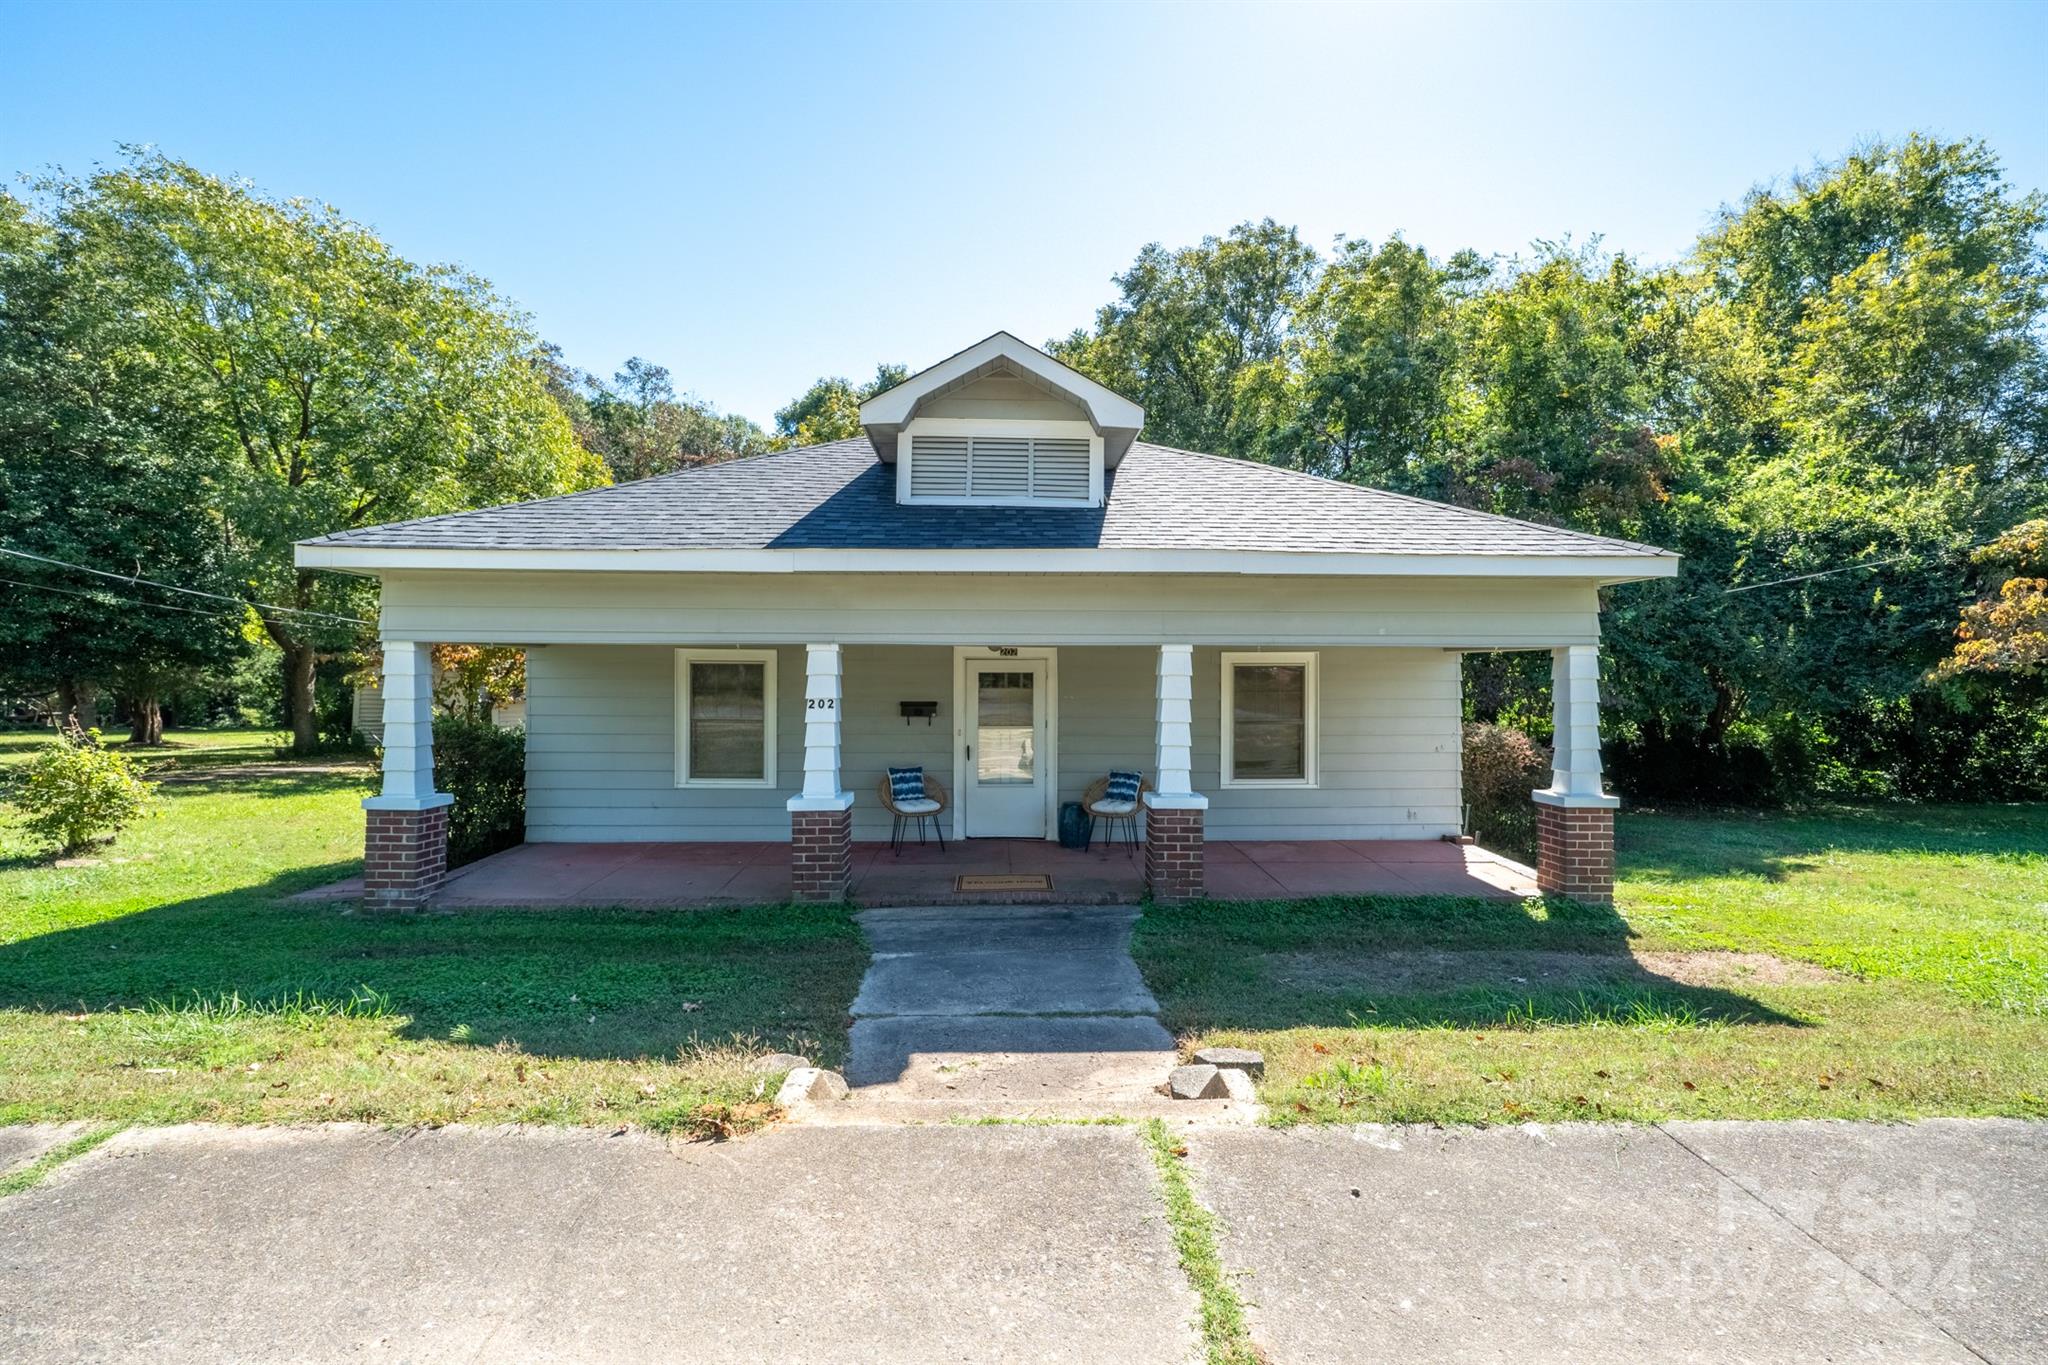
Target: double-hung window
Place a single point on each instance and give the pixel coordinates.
(725, 718)
(1269, 720)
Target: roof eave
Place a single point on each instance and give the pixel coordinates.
(1602, 569)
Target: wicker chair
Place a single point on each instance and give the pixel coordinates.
(931, 808)
(1092, 802)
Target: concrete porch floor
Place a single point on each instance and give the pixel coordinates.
(660, 876)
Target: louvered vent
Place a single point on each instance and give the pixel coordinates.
(1059, 469)
(1001, 468)
(938, 467)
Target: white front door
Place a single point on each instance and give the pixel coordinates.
(1005, 773)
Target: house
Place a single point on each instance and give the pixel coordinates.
(1001, 582)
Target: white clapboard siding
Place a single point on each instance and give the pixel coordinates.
(528, 608)
(601, 742)
(1059, 469)
(938, 467)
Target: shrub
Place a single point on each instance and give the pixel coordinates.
(484, 769)
(1502, 766)
(75, 791)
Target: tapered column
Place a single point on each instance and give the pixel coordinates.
(1174, 811)
(821, 817)
(1574, 816)
(405, 845)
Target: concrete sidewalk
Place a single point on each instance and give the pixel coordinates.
(1707, 1242)
(1008, 1011)
(1802, 1241)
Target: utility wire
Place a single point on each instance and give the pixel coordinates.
(132, 579)
(1846, 568)
(132, 601)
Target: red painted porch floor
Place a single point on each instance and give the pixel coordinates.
(706, 874)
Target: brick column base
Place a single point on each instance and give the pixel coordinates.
(405, 857)
(1575, 852)
(820, 855)
(1173, 854)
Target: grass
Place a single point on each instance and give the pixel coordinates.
(166, 978)
(1226, 1339)
(181, 748)
(1924, 931)
(35, 1172)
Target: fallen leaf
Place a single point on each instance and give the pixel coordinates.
(1601, 1074)
(1688, 1085)
(1579, 1100)
(692, 1006)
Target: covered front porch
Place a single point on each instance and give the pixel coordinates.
(703, 875)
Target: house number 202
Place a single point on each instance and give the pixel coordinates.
(822, 703)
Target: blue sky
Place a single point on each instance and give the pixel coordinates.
(754, 196)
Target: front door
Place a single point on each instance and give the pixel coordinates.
(1004, 794)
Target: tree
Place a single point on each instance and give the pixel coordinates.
(2005, 633)
(320, 382)
(1194, 334)
(92, 476)
(640, 428)
(829, 410)
(1378, 346)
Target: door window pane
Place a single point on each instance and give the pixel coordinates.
(1005, 732)
(728, 720)
(1269, 722)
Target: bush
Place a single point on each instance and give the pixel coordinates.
(1502, 766)
(76, 791)
(484, 769)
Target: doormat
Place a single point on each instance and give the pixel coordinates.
(1002, 881)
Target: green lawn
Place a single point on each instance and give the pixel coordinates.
(1884, 962)
(166, 979)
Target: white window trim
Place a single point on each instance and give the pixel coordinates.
(1311, 693)
(764, 657)
(906, 456)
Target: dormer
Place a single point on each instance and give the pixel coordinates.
(1001, 424)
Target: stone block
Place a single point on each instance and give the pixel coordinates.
(1197, 1083)
(1233, 1059)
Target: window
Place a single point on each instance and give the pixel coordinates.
(725, 718)
(1001, 469)
(1269, 720)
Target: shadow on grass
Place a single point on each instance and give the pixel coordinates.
(1676, 844)
(1365, 962)
(571, 982)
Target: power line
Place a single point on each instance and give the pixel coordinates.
(132, 601)
(1846, 568)
(132, 579)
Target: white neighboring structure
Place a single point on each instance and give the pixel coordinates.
(1000, 582)
(366, 712)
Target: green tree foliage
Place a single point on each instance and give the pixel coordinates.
(1850, 368)
(1200, 337)
(830, 409)
(93, 472)
(320, 381)
(640, 428)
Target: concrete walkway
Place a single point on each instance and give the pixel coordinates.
(1013, 1011)
(1689, 1242)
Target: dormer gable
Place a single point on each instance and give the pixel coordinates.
(1003, 424)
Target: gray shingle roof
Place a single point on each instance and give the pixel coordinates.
(840, 496)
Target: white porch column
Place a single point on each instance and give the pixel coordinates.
(1575, 719)
(822, 707)
(1574, 816)
(408, 730)
(1174, 810)
(1175, 700)
(405, 828)
(821, 816)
